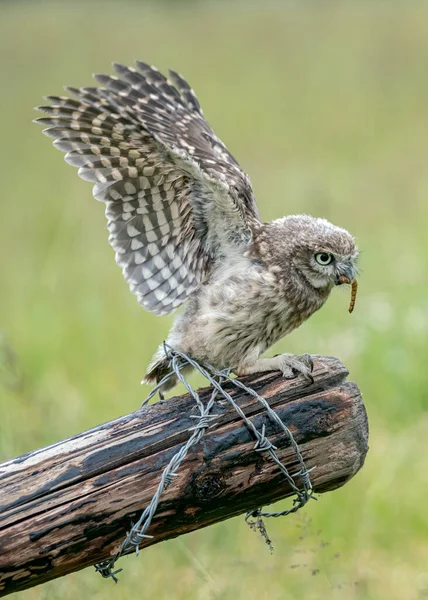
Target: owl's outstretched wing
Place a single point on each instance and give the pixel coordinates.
(176, 199)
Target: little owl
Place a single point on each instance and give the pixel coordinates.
(184, 224)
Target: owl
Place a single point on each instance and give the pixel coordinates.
(185, 226)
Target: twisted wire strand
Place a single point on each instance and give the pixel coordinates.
(178, 361)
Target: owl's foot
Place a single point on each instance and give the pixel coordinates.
(290, 365)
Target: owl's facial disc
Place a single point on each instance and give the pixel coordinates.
(343, 269)
(328, 268)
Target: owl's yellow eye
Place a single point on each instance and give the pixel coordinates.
(324, 258)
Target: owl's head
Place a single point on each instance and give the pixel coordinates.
(315, 250)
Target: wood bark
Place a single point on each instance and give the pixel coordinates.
(68, 506)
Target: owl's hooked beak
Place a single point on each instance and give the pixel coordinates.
(347, 275)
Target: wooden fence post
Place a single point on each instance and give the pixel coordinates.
(68, 506)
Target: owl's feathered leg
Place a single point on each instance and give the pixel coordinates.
(290, 366)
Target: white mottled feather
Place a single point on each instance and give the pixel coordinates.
(176, 199)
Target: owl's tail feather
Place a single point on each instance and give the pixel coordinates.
(157, 370)
(160, 367)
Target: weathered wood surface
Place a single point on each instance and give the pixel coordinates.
(69, 505)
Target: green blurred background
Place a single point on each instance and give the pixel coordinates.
(325, 104)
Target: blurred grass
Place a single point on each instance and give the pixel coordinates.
(325, 105)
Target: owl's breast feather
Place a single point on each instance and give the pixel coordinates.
(240, 314)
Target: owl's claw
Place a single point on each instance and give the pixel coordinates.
(291, 365)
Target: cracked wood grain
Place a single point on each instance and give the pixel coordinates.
(68, 506)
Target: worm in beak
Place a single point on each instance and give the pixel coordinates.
(354, 288)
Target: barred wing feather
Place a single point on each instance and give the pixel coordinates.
(175, 197)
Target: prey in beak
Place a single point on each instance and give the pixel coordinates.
(354, 287)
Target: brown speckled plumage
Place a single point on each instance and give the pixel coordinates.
(184, 222)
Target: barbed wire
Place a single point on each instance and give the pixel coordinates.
(216, 378)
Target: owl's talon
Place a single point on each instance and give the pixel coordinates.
(292, 365)
(310, 379)
(310, 362)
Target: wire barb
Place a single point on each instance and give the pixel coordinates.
(254, 518)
